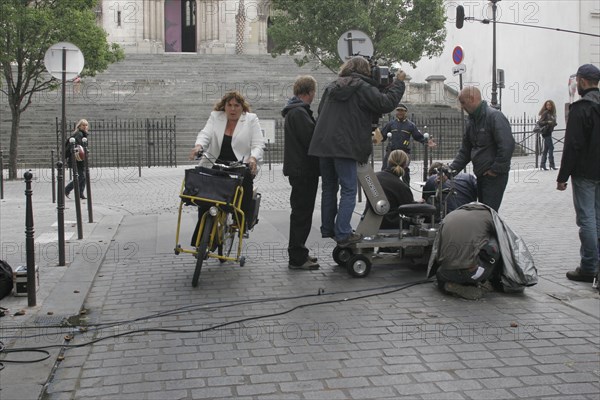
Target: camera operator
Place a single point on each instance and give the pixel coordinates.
(342, 138)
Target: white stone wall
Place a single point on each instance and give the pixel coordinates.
(537, 62)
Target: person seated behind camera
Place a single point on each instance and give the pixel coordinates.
(396, 191)
(462, 190)
(469, 257)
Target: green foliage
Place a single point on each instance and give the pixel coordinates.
(401, 30)
(27, 29)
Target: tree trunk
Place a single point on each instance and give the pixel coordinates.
(14, 141)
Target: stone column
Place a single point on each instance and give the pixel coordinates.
(207, 25)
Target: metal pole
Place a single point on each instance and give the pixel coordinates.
(53, 176)
(60, 213)
(269, 152)
(76, 189)
(63, 108)
(29, 243)
(1, 176)
(140, 160)
(494, 82)
(88, 185)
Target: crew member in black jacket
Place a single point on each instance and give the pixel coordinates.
(581, 161)
(489, 144)
(301, 169)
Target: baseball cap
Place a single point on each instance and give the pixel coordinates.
(401, 106)
(589, 71)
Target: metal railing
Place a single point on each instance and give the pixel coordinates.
(123, 143)
(447, 132)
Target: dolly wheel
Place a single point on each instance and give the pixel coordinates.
(359, 266)
(341, 255)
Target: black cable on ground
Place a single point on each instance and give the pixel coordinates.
(218, 326)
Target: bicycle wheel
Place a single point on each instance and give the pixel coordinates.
(202, 248)
(229, 235)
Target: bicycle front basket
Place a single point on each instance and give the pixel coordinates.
(211, 184)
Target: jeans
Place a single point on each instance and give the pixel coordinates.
(548, 151)
(337, 174)
(490, 189)
(586, 199)
(81, 178)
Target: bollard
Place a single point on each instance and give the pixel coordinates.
(53, 176)
(60, 213)
(29, 243)
(139, 160)
(88, 186)
(76, 188)
(269, 152)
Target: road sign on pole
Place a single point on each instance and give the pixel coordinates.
(459, 69)
(53, 60)
(354, 43)
(458, 55)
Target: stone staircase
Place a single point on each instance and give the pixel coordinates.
(159, 85)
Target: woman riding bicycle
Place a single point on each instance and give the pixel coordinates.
(232, 133)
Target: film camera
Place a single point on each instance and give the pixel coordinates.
(382, 75)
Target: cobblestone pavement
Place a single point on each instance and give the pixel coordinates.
(265, 332)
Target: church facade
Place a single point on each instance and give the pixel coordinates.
(187, 26)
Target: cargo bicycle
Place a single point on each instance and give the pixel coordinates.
(218, 193)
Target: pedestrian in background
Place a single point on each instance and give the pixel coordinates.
(547, 120)
(301, 169)
(402, 131)
(488, 143)
(80, 132)
(343, 138)
(581, 161)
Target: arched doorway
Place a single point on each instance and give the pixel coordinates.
(180, 26)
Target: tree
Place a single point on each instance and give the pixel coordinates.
(27, 29)
(401, 30)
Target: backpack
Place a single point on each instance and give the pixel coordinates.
(6, 279)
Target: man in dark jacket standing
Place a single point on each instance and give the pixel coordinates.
(487, 143)
(301, 169)
(342, 139)
(581, 161)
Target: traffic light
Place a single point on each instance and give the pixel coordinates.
(460, 16)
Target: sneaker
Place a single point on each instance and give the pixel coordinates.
(82, 197)
(312, 259)
(350, 239)
(308, 265)
(581, 276)
(326, 235)
(465, 291)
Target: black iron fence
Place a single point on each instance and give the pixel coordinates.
(447, 132)
(130, 142)
(152, 142)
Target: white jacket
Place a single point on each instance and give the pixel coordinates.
(247, 139)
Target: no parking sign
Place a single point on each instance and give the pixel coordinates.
(457, 55)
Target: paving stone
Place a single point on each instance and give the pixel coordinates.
(413, 343)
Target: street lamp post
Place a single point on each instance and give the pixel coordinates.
(494, 82)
